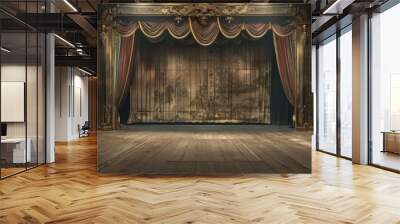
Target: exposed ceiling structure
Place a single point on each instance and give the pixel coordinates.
(74, 21)
(337, 14)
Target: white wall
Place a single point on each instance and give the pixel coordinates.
(12, 73)
(62, 82)
(71, 102)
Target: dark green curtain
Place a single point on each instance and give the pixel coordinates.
(124, 109)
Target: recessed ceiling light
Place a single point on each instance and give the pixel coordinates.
(5, 50)
(65, 41)
(337, 6)
(70, 5)
(84, 71)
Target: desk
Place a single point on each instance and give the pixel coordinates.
(391, 141)
(13, 150)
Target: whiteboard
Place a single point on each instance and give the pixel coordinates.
(12, 101)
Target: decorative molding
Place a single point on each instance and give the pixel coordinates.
(299, 10)
(204, 10)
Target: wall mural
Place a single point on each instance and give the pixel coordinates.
(203, 63)
(205, 23)
(180, 81)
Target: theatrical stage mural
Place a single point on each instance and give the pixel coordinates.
(227, 82)
(204, 63)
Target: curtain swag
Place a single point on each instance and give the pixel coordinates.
(205, 33)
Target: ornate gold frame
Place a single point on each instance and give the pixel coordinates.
(108, 14)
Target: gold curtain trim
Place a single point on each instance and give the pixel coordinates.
(176, 36)
(246, 27)
(196, 38)
(131, 29)
(158, 32)
(226, 34)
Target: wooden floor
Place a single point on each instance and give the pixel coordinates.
(204, 150)
(5, 172)
(71, 191)
(386, 159)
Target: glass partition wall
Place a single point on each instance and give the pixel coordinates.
(22, 87)
(334, 94)
(385, 89)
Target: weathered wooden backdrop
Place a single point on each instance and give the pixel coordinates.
(180, 81)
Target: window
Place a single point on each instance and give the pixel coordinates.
(385, 89)
(334, 106)
(346, 92)
(327, 95)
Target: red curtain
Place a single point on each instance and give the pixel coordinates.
(285, 51)
(126, 55)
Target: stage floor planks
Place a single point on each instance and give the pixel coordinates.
(204, 150)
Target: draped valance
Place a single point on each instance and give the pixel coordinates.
(203, 32)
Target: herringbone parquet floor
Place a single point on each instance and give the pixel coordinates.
(71, 191)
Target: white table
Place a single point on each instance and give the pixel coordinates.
(18, 148)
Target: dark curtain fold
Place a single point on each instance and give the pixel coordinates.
(285, 51)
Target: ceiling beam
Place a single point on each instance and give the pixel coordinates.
(82, 61)
(337, 7)
(84, 24)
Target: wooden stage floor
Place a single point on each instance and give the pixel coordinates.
(71, 191)
(204, 150)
